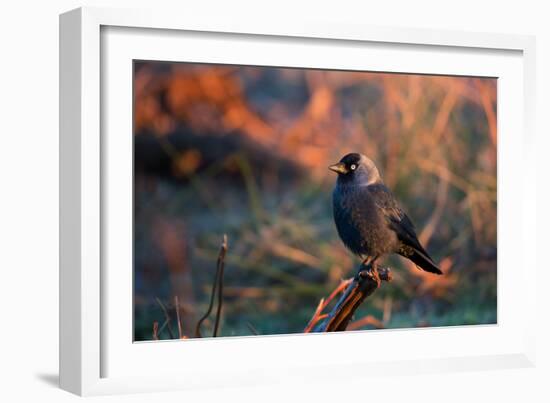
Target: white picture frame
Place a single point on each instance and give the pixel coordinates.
(96, 354)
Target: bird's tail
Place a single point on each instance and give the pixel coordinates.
(424, 262)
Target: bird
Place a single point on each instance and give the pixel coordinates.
(368, 218)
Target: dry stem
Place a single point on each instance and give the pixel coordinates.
(364, 284)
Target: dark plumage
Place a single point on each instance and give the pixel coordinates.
(368, 218)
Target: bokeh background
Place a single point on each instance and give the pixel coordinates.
(244, 151)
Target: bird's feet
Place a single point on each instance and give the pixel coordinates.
(369, 271)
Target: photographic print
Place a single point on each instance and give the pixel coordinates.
(272, 200)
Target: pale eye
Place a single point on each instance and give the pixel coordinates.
(353, 166)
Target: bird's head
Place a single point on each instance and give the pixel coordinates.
(356, 168)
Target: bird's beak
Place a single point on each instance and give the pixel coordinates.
(339, 168)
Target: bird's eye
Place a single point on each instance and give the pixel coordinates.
(353, 166)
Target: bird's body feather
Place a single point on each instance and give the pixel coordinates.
(362, 226)
(400, 223)
(371, 223)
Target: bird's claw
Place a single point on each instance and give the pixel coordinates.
(361, 274)
(368, 272)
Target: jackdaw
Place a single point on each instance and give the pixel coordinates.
(368, 218)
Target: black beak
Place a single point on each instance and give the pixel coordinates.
(339, 168)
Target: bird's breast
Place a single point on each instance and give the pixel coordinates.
(349, 222)
(359, 223)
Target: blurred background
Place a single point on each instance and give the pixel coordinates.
(244, 151)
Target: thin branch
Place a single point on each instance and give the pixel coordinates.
(317, 315)
(167, 316)
(315, 318)
(177, 303)
(221, 266)
(161, 328)
(252, 329)
(364, 284)
(364, 321)
(218, 281)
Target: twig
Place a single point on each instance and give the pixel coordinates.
(177, 303)
(218, 280)
(221, 266)
(315, 318)
(161, 328)
(323, 303)
(155, 330)
(364, 284)
(252, 329)
(367, 320)
(167, 316)
(294, 254)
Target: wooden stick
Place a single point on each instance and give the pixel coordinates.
(177, 303)
(323, 303)
(216, 285)
(221, 266)
(167, 317)
(364, 284)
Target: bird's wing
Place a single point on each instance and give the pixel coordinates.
(395, 216)
(399, 222)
